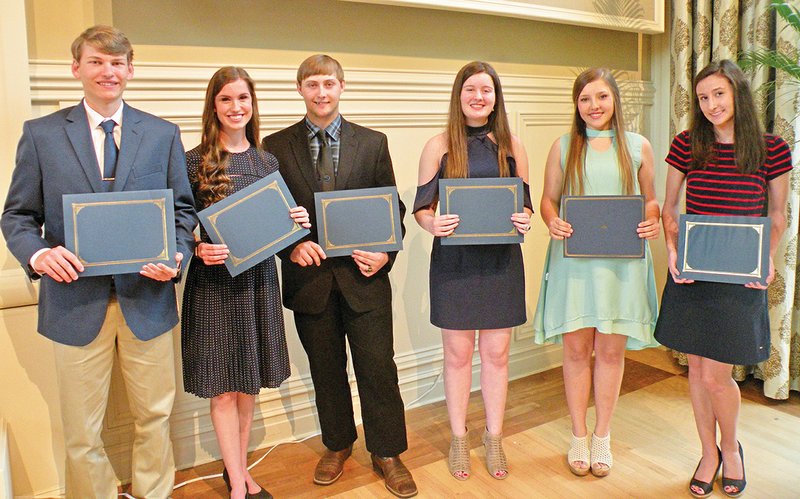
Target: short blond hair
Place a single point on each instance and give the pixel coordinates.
(319, 64)
(106, 39)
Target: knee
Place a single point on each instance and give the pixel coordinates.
(494, 357)
(456, 359)
(609, 356)
(714, 384)
(581, 353)
(224, 400)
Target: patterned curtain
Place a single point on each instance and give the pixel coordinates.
(706, 30)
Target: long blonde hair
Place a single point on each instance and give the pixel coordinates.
(213, 183)
(574, 168)
(456, 165)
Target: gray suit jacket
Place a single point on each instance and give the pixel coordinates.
(55, 156)
(364, 162)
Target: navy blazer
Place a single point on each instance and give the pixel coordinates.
(55, 156)
(364, 162)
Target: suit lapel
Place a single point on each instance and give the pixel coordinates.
(302, 156)
(129, 145)
(80, 137)
(347, 154)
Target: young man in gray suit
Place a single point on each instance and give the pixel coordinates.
(102, 145)
(344, 298)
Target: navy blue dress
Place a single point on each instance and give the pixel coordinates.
(475, 286)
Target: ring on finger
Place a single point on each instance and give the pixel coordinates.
(369, 269)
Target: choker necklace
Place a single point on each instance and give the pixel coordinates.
(592, 133)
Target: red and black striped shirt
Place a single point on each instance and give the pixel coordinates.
(720, 189)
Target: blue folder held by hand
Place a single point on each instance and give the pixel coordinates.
(119, 232)
(603, 226)
(254, 223)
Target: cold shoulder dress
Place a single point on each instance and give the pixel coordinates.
(475, 286)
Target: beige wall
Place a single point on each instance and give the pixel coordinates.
(399, 65)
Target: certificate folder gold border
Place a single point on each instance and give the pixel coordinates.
(450, 189)
(565, 202)
(159, 203)
(761, 225)
(239, 260)
(329, 245)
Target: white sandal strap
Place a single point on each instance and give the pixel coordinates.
(578, 450)
(601, 450)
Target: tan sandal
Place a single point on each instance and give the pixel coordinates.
(458, 458)
(496, 461)
(601, 455)
(578, 453)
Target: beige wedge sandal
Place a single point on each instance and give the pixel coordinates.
(578, 453)
(458, 458)
(496, 461)
(601, 455)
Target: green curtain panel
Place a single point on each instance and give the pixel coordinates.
(706, 30)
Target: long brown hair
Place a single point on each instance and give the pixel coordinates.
(456, 166)
(575, 168)
(748, 134)
(212, 179)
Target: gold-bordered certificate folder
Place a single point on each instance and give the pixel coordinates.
(603, 226)
(725, 249)
(484, 207)
(119, 232)
(254, 223)
(363, 219)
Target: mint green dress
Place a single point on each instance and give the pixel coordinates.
(611, 294)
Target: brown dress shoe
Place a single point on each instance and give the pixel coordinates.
(330, 466)
(397, 477)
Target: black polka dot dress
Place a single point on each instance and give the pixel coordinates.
(232, 332)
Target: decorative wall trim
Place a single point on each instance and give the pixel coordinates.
(591, 15)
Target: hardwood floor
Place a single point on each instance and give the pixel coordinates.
(654, 443)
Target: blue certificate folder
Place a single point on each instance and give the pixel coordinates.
(119, 232)
(363, 219)
(726, 249)
(484, 207)
(603, 226)
(254, 223)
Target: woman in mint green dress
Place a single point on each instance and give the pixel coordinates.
(596, 305)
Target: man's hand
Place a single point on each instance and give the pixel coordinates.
(59, 263)
(369, 263)
(160, 272)
(307, 253)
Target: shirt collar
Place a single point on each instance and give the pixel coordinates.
(96, 118)
(333, 130)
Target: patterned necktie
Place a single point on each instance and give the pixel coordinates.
(109, 150)
(325, 171)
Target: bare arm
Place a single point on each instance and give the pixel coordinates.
(649, 228)
(778, 192)
(551, 194)
(438, 225)
(669, 217)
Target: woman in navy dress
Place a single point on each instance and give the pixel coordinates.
(730, 167)
(232, 333)
(480, 287)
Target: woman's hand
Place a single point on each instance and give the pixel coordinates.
(522, 221)
(770, 278)
(212, 254)
(649, 229)
(559, 229)
(300, 217)
(444, 225)
(672, 263)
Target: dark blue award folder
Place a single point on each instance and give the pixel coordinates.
(484, 207)
(363, 219)
(254, 223)
(119, 232)
(724, 249)
(603, 226)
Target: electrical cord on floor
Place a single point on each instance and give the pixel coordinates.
(257, 461)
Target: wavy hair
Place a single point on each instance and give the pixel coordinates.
(575, 167)
(456, 165)
(213, 183)
(748, 134)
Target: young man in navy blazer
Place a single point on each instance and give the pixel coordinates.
(92, 320)
(342, 299)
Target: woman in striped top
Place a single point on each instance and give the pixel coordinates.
(730, 167)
